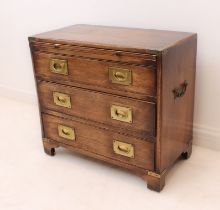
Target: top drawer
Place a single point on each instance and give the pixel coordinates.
(105, 76)
(128, 57)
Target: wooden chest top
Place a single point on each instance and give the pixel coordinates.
(139, 40)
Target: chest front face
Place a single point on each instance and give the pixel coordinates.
(102, 97)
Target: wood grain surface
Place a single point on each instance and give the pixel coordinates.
(175, 115)
(100, 141)
(162, 63)
(95, 74)
(131, 39)
(117, 56)
(96, 106)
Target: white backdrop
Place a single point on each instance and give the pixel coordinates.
(19, 19)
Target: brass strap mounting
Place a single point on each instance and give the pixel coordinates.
(154, 174)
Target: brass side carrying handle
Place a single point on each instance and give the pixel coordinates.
(181, 90)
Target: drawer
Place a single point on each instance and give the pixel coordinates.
(120, 112)
(122, 79)
(99, 141)
(143, 59)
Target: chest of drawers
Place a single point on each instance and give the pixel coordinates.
(123, 96)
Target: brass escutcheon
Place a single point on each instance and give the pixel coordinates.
(121, 113)
(58, 66)
(123, 148)
(120, 76)
(66, 132)
(62, 99)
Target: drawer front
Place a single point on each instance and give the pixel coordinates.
(129, 57)
(100, 107)
(98, 75)
(100, 141)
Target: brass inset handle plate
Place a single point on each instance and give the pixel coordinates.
(121, 113)
(122, 148)
(58, 66)
(66, 132)
(120, 76)
(62, 99)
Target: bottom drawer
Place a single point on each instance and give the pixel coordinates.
(99, 141)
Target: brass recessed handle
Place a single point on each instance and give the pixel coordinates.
(120, 76)
(124, 149)
(62, 99)
(59, 66)
(120, 113)
(66, 132)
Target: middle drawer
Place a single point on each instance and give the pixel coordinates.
(116, 111)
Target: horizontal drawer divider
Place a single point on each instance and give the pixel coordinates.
(151, 54)
(39, 79)
(152, 67)
(142, 97)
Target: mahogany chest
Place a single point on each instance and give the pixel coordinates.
(124, 96)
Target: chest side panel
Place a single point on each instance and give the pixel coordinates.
(178, 67)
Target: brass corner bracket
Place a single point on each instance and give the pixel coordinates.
(154, 174)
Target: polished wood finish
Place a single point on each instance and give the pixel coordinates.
(143, 112)
(178, 65)
(49, 147)
(95, 74)
(100, 141)
(130, 39)
(161, 94)
(155, 183)
(93, 52)
(120, 130)
(137, 170)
